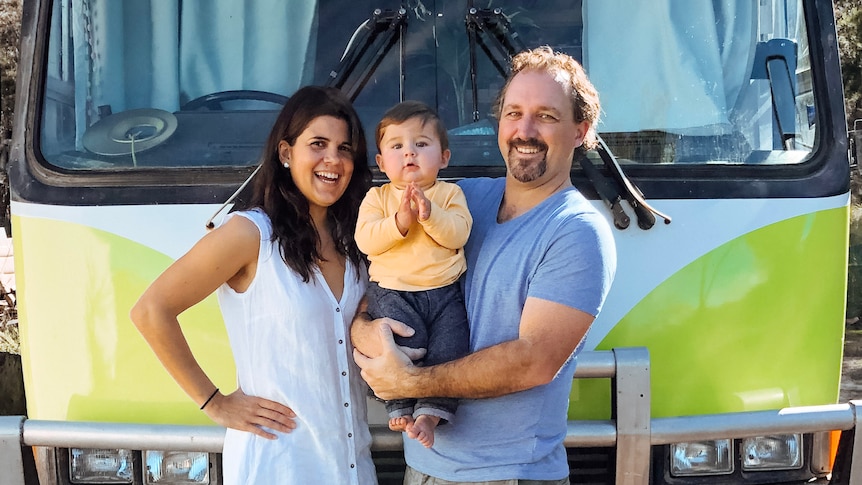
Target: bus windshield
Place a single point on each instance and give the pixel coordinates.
(140, 86)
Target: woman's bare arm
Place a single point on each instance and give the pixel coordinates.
(227, 254)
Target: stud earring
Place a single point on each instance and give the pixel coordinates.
(286, 165)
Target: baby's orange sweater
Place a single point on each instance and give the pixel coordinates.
(430, 255)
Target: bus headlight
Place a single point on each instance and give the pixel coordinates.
(776, 452)
(701, 458)
(176, 467)
(87, 465)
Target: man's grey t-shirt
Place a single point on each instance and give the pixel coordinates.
(561, 250)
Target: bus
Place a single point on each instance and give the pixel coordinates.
(723, 168)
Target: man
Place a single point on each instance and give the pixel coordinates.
(540, 261)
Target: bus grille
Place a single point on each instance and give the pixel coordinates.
(588, 466)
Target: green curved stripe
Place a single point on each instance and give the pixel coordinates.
(755, 324)
(83, 358)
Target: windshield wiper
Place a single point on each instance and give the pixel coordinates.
(606, 189)
(376, 36)
(775, 61)
(645, 213)
(618, 188)
(494, 29)
(484, 27)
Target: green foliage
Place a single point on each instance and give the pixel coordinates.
(848, 19)
(10, 30)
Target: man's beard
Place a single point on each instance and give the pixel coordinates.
(524, 170)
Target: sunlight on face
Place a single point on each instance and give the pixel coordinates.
(321, 161)
(538, 134)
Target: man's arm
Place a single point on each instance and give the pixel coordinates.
(549, 333)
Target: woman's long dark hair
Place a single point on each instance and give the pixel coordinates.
(275, 192)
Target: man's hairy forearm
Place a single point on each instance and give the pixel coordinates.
(548, 335)
(494, 371)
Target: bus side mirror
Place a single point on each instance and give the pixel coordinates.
(855, 138)
(775, 61)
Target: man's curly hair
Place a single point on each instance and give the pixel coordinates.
(570, 74)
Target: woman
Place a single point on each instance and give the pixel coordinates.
(288, 277)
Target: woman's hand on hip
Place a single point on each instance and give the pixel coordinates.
(240, 411)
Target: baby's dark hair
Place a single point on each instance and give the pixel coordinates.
(407, 110)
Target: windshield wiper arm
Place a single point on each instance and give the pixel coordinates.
(376, 36)
(392, 25)
(486, 26)
(606, 189)
(618, 188)
(495, 30)
(645, 213)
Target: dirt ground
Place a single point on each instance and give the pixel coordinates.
(851, 375)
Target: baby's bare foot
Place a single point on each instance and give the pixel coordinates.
(400, 423)
(422, 430)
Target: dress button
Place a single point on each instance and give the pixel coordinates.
(340, 341)
(346, 404)
(352, 465)
(350, 435)
(337, 309)
(344, 373)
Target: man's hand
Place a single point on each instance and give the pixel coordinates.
(388, 373)
(365, 333)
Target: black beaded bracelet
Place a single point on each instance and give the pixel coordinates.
(209, 399)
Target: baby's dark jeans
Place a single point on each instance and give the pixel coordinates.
(440, 320)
